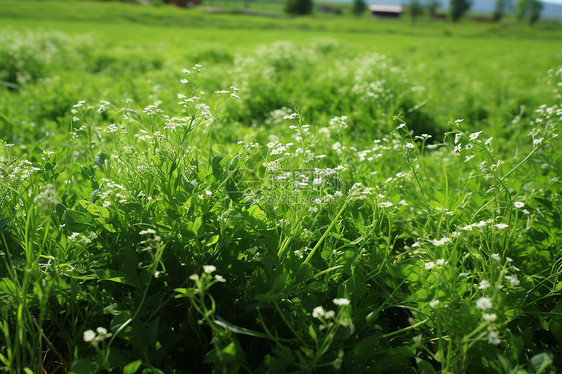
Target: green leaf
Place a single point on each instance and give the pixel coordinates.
(112, 276)
(100, 159)
(76, 221)
(539, 363)
(8, 287)
(311, 332)
(424, 366)
(364, 350)
(237, 329)
(4, 222)
(197, 223)
(217, 167)
(214, 239)
(83, 366)
(132, 367)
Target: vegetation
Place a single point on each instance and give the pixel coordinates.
(530, 9)
(459, 8)
(359, 7)
(432, 6)
(415, 8)
(500, 8)
(240, 194)
(299, 6)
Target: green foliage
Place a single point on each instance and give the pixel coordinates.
(459, 8)
(415, 9)
(299, 7)
(530, 9)
(359, 7)
(432, 6)
(310, 206)
(500, 8)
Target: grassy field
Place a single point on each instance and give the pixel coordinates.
(185, 192)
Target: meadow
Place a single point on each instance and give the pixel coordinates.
(184, 192)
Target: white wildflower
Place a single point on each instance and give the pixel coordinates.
(318, 312)
(89, 336)
(484, 284)
(484, 303)
(514, 282)
(209, 268)
(493, 338)
(341, 301)
(489, 317)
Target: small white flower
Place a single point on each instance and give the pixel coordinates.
(89, 336)
(475, 135)
(512, 280)
(101, 331)
(330, 314)
(194, 277)
(489, 317)
(519, 204)
(209, 268)
(318, 312)
(433, 303)
(147, 232)
(484, 284)
(220, 278)
(493, 338)
(484, 303)
(501, 226)
(496, 256)
(441, 242)
(429, 265)
(341, 301)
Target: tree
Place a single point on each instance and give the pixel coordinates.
(529, 9)
(432, 6)
(500, 8)
(415, 9)
(359, 7)
(459, 8)
(299, 6)
(535, 11)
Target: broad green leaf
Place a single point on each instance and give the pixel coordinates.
(540, 363)
(197, 223)
(424, 366)
(132, 367)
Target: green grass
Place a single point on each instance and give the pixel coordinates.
(323, 194)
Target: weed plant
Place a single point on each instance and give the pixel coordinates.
(254, 227)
